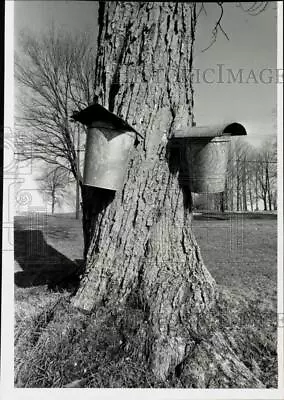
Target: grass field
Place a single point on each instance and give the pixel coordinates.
(239, 250)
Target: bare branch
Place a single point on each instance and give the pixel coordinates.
(217, 28)
(255, 9)
(56, 75)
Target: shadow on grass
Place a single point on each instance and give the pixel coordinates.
(41, 264)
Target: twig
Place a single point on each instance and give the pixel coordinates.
(218, 27)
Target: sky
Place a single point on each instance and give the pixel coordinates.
(251, 47)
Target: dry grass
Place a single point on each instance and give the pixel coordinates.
(56, 345)
(241, 252)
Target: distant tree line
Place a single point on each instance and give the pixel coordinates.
(251, 181)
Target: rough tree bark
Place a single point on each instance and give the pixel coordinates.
(141, 247)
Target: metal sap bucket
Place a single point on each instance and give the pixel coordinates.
(205, 164)
(204, 151)
(106, 155)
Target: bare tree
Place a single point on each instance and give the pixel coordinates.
(53, 182)
(267, 173)
(55, 72)
(251, 178)
(230, 179)
(252, 175)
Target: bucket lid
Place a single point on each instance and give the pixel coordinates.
(224, 129)
(96, 112)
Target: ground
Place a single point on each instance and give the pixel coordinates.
(53, 349)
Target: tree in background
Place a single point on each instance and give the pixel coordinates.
(257, 174)
(251, 180)
(53, 183)
(56, 74)
(267, 173)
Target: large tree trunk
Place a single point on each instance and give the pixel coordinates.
(140, 245)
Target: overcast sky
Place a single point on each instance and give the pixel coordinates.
(252, 46)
